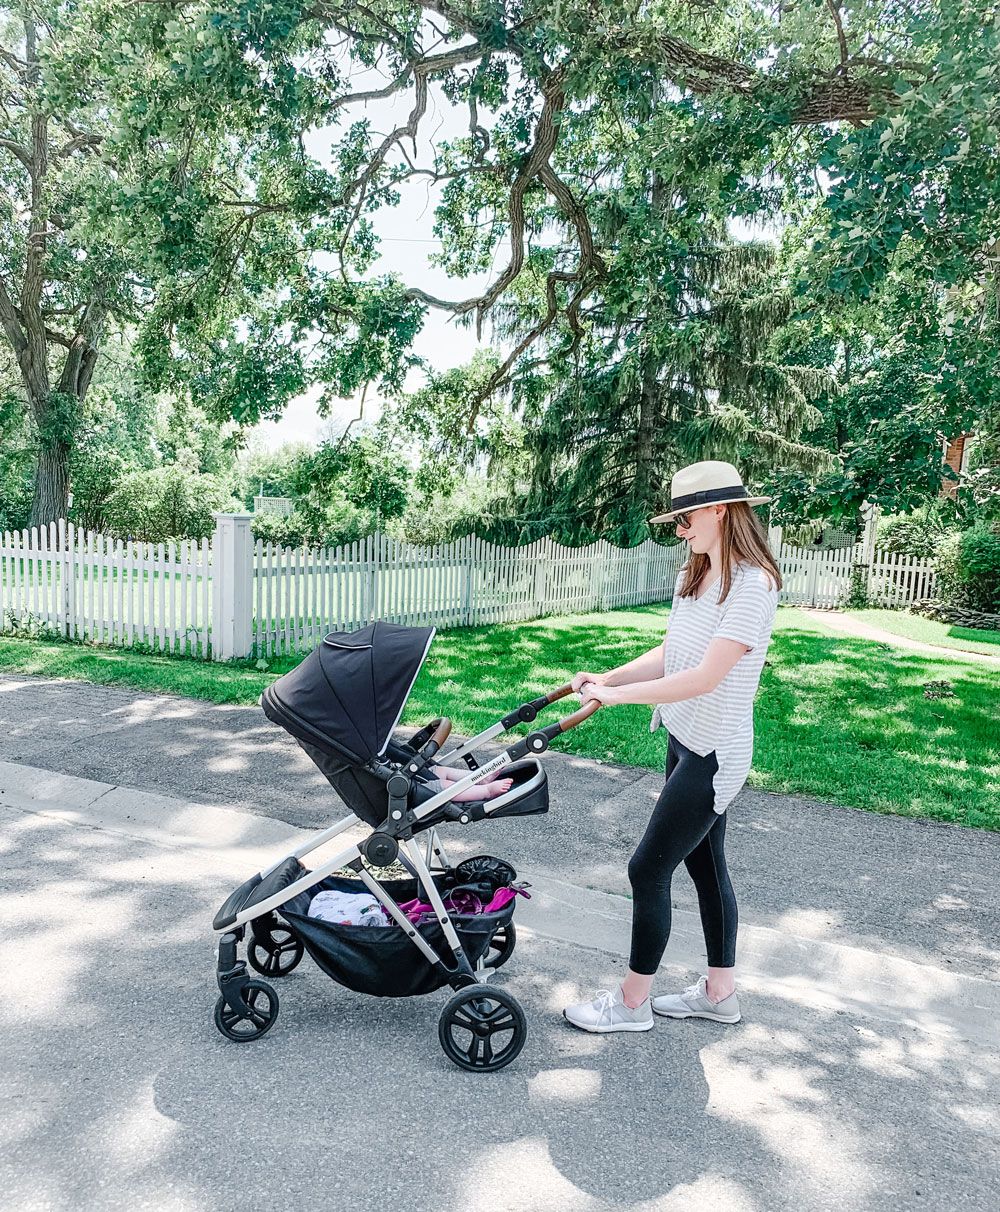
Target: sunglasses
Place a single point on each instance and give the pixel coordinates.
(683, 520)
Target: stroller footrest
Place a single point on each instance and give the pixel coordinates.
(234, 903)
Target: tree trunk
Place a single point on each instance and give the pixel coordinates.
(649, 399)
(51, 499)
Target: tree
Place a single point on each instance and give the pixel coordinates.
(166, 503)
(251, 263)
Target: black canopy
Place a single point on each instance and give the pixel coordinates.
(349, 693)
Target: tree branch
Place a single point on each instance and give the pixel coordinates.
(11, 323)
(76, 143)
(22, 153)
(841, 38)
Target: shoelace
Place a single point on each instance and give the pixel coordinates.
(605, 1002)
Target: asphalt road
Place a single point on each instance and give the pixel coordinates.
(866, 1072)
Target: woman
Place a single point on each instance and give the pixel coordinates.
(701, 682)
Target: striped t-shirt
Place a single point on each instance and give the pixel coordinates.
(722, 719)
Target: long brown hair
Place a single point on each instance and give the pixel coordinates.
(744, 540)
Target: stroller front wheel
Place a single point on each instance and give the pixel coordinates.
(262, 1002)
(482, 1029)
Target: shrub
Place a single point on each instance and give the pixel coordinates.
(301, 529)
(857, 594)
(163, 503)
(981, 567)
(968, 568)
(947, 561)
(916, 533)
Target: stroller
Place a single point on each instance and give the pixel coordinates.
(342, 704)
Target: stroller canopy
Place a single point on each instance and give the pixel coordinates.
(350, 691)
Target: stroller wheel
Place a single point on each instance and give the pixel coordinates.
(482, 1029)
(273, 950)
(501, 946)
(263, 1003)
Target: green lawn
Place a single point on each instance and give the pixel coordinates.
(930, 631)
(842, 719)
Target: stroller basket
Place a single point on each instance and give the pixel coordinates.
(381, 960)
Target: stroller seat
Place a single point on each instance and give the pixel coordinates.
(364, 793)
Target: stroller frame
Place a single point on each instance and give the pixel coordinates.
(253, 903)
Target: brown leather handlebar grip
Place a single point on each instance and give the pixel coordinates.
(442, 731)
(585, 712)
(561, 693)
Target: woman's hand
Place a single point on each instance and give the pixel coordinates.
(606, 695)
(597, 679)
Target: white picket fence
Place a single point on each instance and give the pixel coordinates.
(895, 580)
(87, 586)
(230, 596)
(299, 595)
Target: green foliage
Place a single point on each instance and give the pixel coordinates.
(981, 567)
(17, 464)
(917, 533)
(344, 490)
(271, 473)
(116, 436)
(968, 569)
(857, 593)
(925, 170)
(338, 524)
(367, 473)
(948, 563)
(163, 503)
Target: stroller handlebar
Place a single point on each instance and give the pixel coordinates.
(555, 695)
(536, 741)
(584, 713)
(428, 741)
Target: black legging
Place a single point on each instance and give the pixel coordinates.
(684, 825)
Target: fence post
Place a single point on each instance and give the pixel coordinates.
(599, 583)
(232, 586)
(541, 576)
(870, 512)
(465, 556)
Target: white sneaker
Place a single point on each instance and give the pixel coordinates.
(694, 1003)
(608, 1012)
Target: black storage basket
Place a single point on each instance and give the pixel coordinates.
(381, 960)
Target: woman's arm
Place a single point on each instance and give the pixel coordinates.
(649, 665)
(720, 657)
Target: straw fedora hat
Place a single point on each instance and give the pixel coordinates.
(711, 482)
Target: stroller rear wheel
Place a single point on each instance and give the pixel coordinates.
(273, 950)
(482, 1029)
(501, 947)
(262, 1002)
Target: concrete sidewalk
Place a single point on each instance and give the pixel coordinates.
(849, 625)
(909, 889)
(119, 1093)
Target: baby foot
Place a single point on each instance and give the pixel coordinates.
(485, 791)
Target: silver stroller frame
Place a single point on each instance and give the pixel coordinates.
(394, 839)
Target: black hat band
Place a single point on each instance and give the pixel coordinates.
(707, 496)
